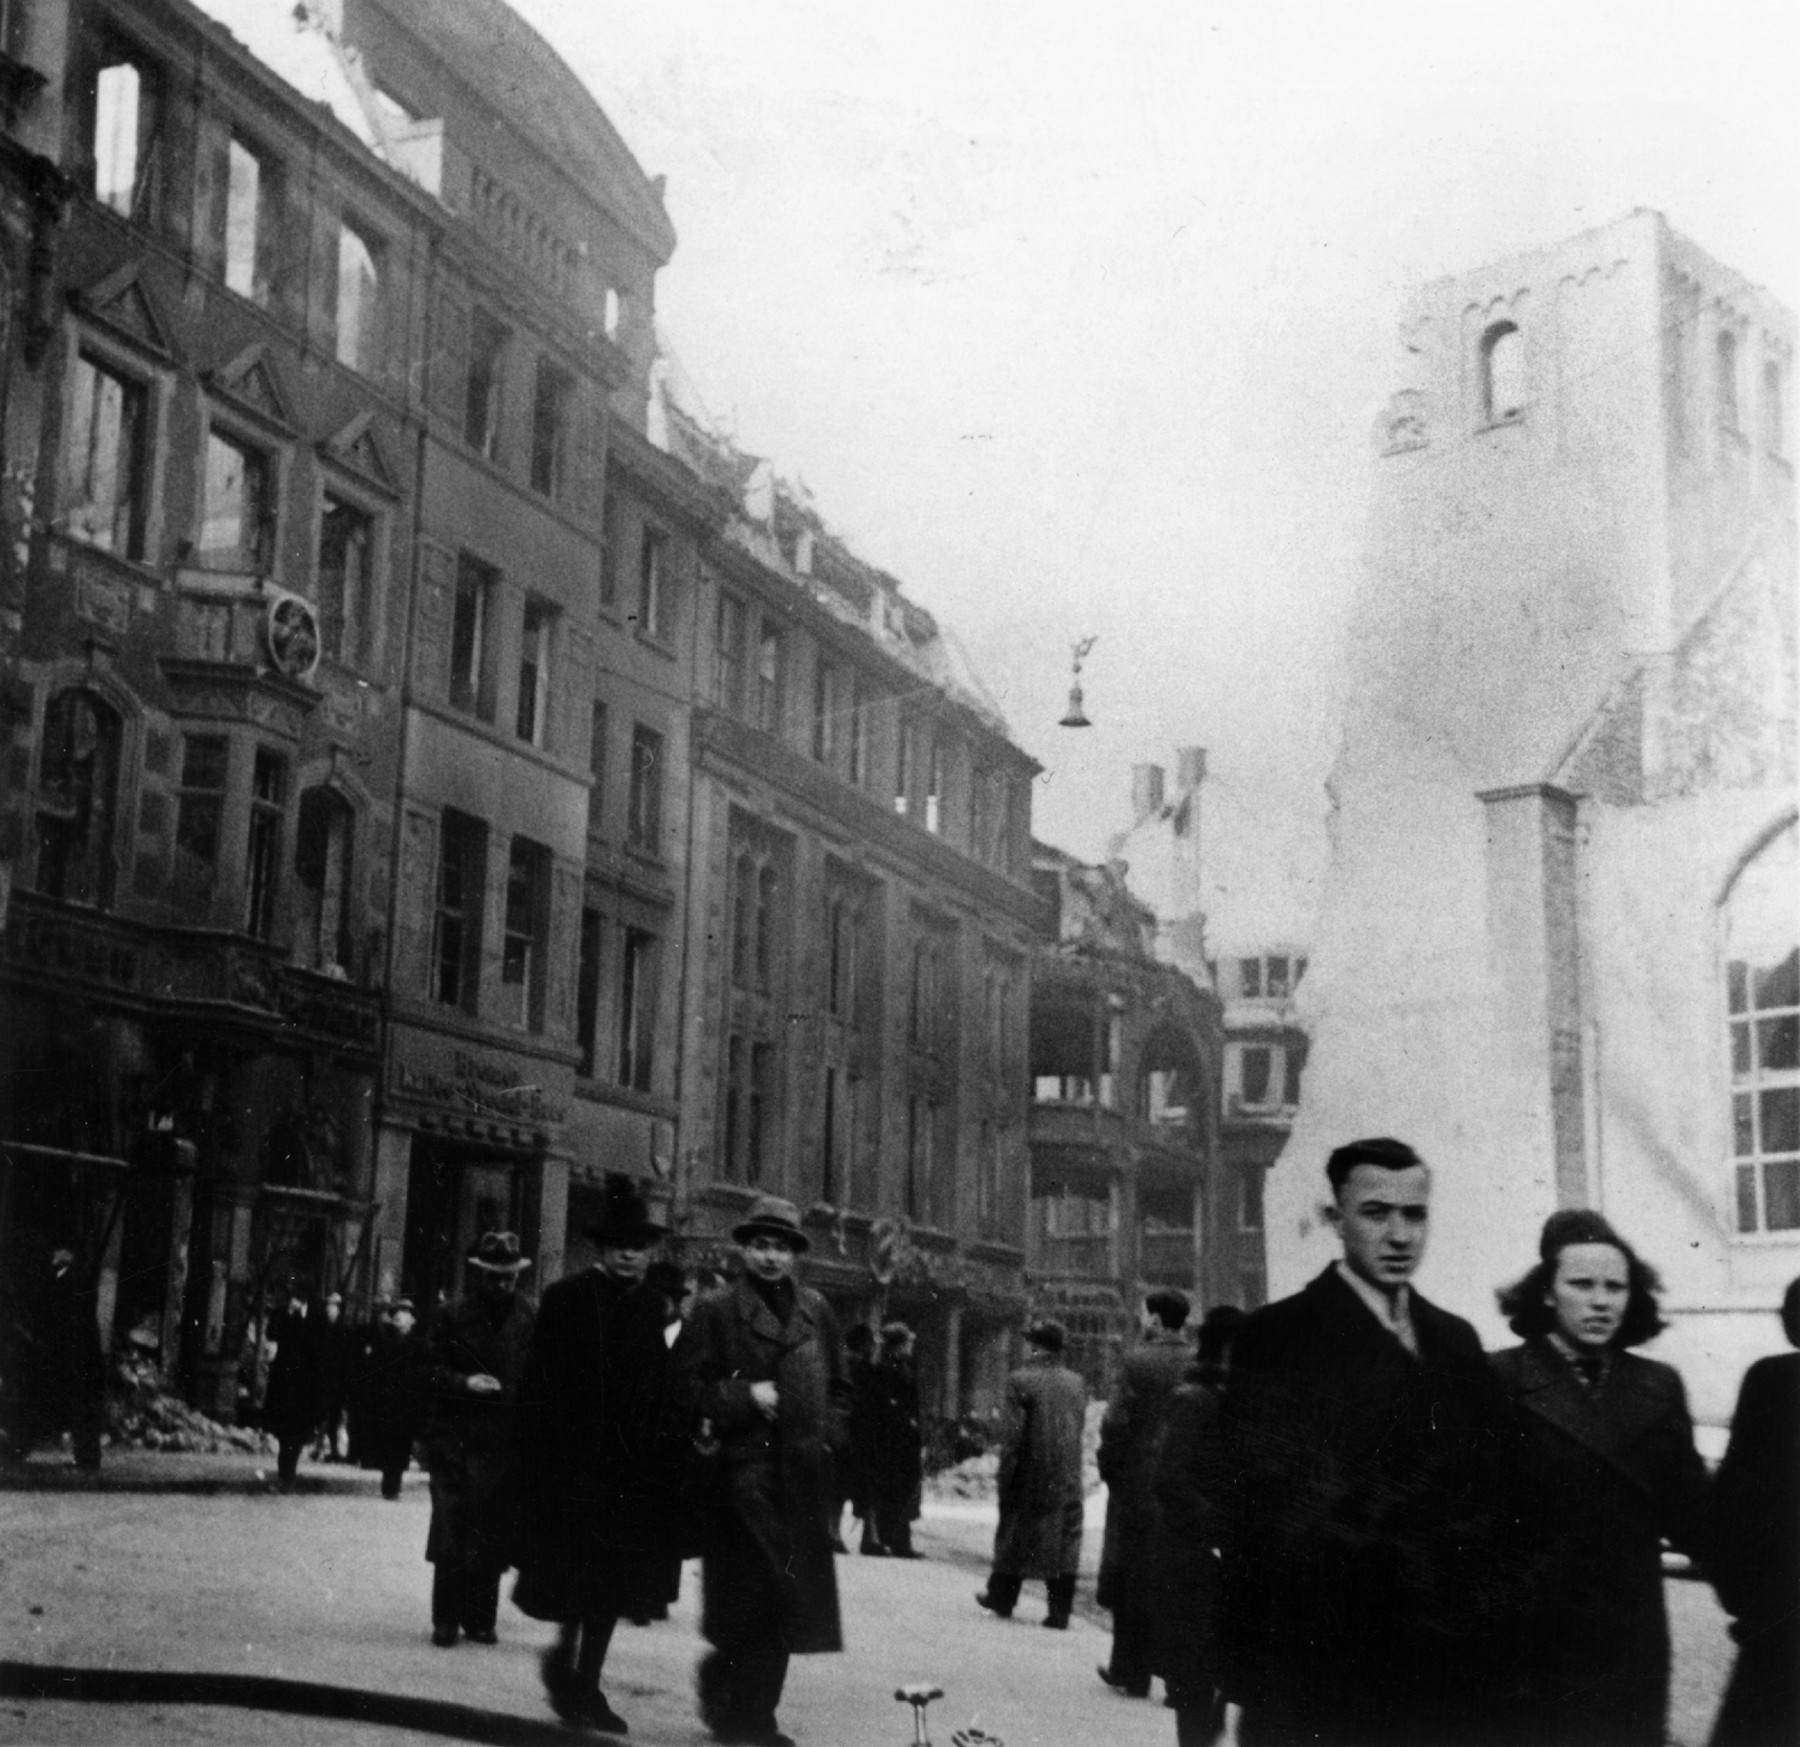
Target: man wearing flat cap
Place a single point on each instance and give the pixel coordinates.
(475, 1355)
(766, 1364)
(1040, 1480)
(602, 1430)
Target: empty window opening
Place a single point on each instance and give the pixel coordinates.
(77, 798)
(104, 469)
(1502, 373)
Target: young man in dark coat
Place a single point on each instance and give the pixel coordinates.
(475, 1355)
(765, 1362)
(294, 1402)
(1754, 1553)
(1355, 1610)
(1039, 1534)
(601, 1431)
(1128, 1440)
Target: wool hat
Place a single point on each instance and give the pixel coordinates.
(624, 1214)
(498, 1253)
(772, 1216)
(1047, 1333)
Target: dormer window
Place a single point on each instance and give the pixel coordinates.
(1502, 373)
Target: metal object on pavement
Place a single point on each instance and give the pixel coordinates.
(919, 1697)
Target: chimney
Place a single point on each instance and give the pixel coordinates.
(1190, 768)
(1146, 792)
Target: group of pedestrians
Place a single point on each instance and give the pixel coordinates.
(881, 1474)
(1348, 1521)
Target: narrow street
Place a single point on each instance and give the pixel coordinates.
(304, 1617)
(328, 1587)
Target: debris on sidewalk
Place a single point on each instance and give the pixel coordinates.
(142, 1411)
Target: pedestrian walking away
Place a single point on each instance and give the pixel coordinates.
(862, 1451)
(56, 1351)
(1753, 1549)
(1129, 1434)
(337, 1365)
(1601, 1457)
(475, 1356)
(1039, 1534)
(602, 1425)
(1357, 1588)
(765, 1361)
(294, 1402)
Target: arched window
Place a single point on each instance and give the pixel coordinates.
(324, 846)
(77, 798)
(1502, 373)
(1762, 1003)
(1725, 378)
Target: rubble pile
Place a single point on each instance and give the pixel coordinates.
(142, 1411)
(978, 1476)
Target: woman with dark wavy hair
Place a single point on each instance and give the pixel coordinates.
(1601, 1470)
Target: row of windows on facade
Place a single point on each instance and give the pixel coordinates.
(844, 1150)
(1075, 1229)
(77, 820)
(243, 225)
(1504, 390)
(750, 652)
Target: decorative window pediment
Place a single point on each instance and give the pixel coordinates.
(357, 448)
(250, 383)
(122, 303)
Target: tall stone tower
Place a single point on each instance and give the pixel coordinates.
(1566, 789)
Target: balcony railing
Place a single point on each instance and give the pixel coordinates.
(1084, 1258)
(1167, 1257)
(183, 967)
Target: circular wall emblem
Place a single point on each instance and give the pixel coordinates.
(292, 634)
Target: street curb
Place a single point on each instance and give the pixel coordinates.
(260, 1692)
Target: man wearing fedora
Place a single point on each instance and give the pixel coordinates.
(766, 1365)
(1039, 1534)
(602, 1432)
(475, 1357)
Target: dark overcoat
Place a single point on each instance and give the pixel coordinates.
(1356, 1597)
(469, 1446)
(768, 1554)
(388, 1398)
(602, 1433)
(1041, 1426)
(861, 1456)
(893, 1470)
(1599, 1479)
(1128, 1439)
(1753, 1557)
(1191, 1479)
(294, 1402)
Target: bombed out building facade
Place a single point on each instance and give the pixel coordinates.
(437, 772)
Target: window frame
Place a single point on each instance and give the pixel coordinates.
(361, 348)
(486, 443)
(472, 692)
(640, 991)
(257, 559)
(539, 623)
(101, 848)
(655, 583)
(525, 931)
(337, 804)
(644, 800)
(88, 351)
(552, 410)
(361, 650)
(263, 832)
(142, 202)
(468, 836)
(1504, 333)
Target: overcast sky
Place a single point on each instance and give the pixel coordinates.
(1077, 317)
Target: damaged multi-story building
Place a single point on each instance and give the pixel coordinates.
(860, 929)
(318, 319)
(1127, 1193)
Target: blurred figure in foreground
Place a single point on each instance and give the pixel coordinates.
(1754, 1549)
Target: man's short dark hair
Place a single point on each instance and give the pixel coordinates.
(1389, 1155)
(1168, 1306)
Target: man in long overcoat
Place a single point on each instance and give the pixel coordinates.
(476, 1355)
(1358, 1421)
(294, 1402)
(1128, 1439)
(601, 1435)
(765, 1362)
(1040, 1480)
